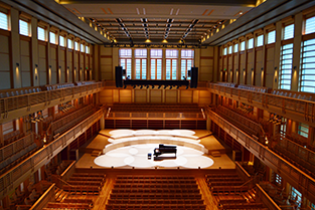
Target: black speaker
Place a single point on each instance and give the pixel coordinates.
(118, 74)
(194, 77)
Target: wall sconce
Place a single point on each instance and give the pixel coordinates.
(262, 69)
(49, 66)
(59, 67)
(35, 71)
(17, 64)
(295, 67)
(236, 70)
(36, 65)
(276, 68)
(75, 68)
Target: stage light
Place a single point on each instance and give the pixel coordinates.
(134, 86)
(159, 86)
(125, 87)
(165, 86)
(141, 87)
(148, 86)
(177, 86)
(171, 87)
(152, 86)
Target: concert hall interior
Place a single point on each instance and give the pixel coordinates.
(146, 104)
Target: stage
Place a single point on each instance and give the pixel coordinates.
(129, 149)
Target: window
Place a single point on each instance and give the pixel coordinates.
(250, 43)
(187, 61)
(61, 41)
(24, 28)
(260, 40)
(70, 44)
(52, 37)
(224, 51)
(307, 81)
(242, 45)
(141, 63)
(230, 49)
(303, 130)
(82, 47)
(171, 64)
(76, 45)
(310, 25)
(271, 37)
(87, 49)
(278, 179)
(125, 60)
(236, 48)
(156, 63)
(4, 23)
(288, 32)
(41, 34)
(297, 196)
(312, 206)
(286, 59)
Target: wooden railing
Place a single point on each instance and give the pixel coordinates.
(155, 115)
(241, 171)
(302, 156)
(13, 177)
(296, 177)
(11, 149)
(301, 109)
(48, 196)
(60, 180)
(263, 197)
(30, 103)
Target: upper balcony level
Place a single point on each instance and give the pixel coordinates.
(15, 103)
(299, 106)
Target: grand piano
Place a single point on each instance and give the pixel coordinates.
(164, 149)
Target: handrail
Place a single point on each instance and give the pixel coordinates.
(13, 177)
(266, 199)
(238, 165)
(41, 202)
(291, 173)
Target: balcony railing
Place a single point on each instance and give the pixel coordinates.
(12, 178)
(25, 102)
(296, 177)
(296, 105)
(155, 115)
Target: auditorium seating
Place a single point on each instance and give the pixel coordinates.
(76, 186)
(11, 137)
(155, 192)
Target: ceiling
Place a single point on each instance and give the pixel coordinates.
(139, 21)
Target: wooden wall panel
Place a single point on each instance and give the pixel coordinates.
(204, 97)
(235, 68)
(53, 63)
(116, 96)
(140, 96)
(62, 64)
(69, 64)
(186, 96)
(195, 96)
(106, 63)
(250, 66)
(230, 68)
(270, 66)
(5, 80)
(25, 66)
(42, 64)
(106, 97)
(156, 96)
(82, 67)
(76, 66)
(259, 65)
(242, 68)
(206, 64)
(170, 96)
(7, 127)
(125, 96)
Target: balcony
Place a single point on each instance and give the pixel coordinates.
(13, 107)
(298, 106)
(300, 180)
(12, 178)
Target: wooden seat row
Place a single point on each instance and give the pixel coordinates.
(228, 189)
(155, 190)
(69, 205)
(226, 179)
(225, 175)
(225, 183)
(87, 179)
(90, 175)
(136, 185)
(91, 183)
(155, 177)
(82, 189)
(243, 206)
(156, 181)
(72, 200)
(155, 196)
(155, 201)
(154, 206)
(232, 200)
